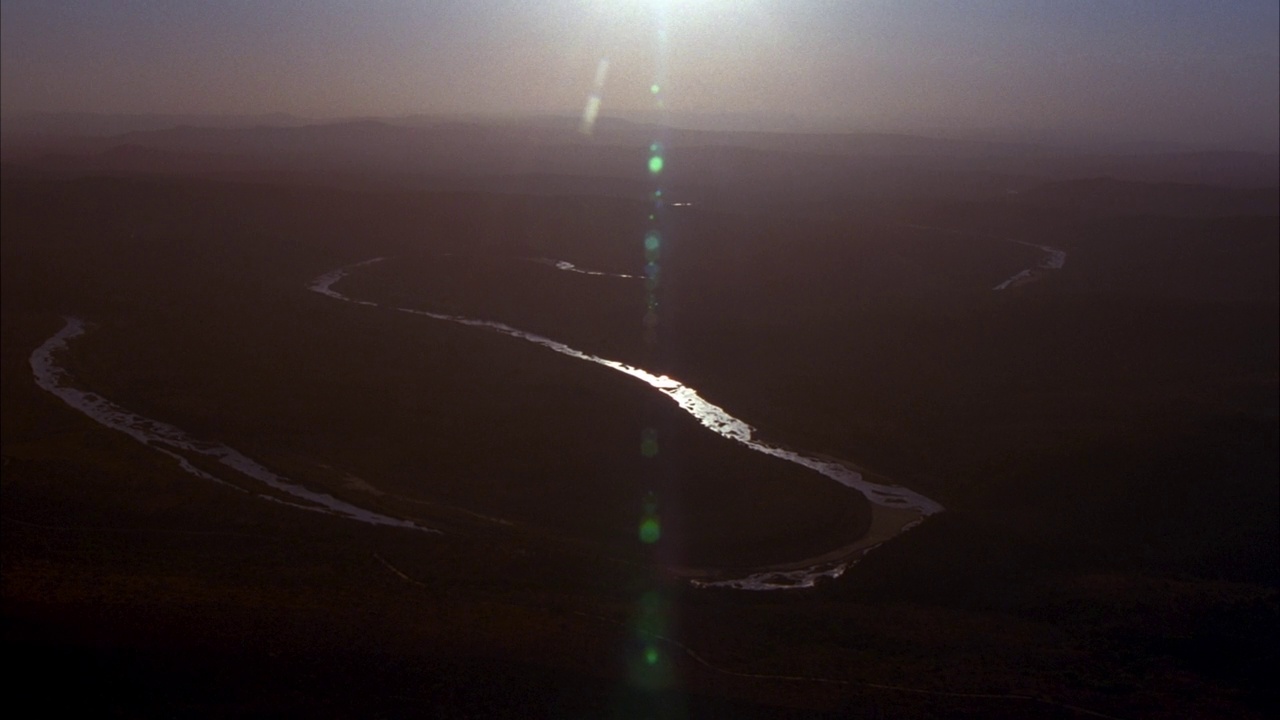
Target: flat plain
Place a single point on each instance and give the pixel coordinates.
(1104, 439)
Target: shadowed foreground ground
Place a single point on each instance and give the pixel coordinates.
(1104, 440)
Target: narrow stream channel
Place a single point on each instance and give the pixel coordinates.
(911, 507)
(177, 444)
(895, 509)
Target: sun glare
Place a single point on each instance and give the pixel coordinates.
(674, 11)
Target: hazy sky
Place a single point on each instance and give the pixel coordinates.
(1189, 70)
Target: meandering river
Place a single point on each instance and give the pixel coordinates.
(1053, 258)
(905, 507)
(177, 444)
(895, 509)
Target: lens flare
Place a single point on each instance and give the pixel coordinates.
(650, 530)
(592, 109)
(651, 655)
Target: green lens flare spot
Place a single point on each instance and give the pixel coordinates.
(654, 89)
(655, 164)
(651, 655)
(650, 531)
(652, 241)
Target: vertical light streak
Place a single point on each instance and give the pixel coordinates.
(651, 670)
(592, 109)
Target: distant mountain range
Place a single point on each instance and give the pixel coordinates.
(701, 164)
(104, 125)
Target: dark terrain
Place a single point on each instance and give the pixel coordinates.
(1104, 439)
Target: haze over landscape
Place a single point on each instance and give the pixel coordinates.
(1186, 72)
(642, 359)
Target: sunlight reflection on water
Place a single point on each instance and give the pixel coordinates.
(710, 415)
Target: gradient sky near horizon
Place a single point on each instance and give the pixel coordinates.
(1167, 70)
